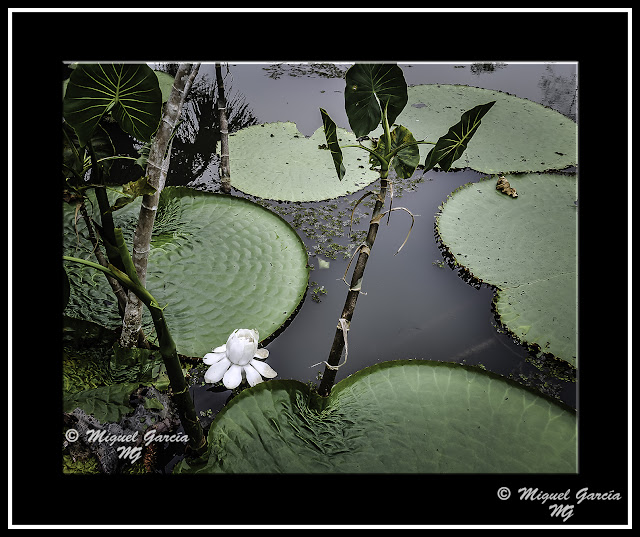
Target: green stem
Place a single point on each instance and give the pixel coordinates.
(387, 133)
(106, 218)
(383, 161)
(407, 144)
(179, 387)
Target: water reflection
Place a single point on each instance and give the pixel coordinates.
(323, 70)
(194, 157)
(478, 68)
(559, 92)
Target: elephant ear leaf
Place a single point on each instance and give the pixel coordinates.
(331, 135)
(407, 159)
(130, 92)
(369, 89)
(450, 147)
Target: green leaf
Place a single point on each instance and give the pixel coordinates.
(405, 416)
(152, 404)
(369, 89)
(450, 147)
(526, 248)
(331, 135)
(77, 158)
(144, 155)
(106, 403)
(138, 188)
(131, 191)
(406, 160)
(135, 365)
(165, 81)
(130, 92)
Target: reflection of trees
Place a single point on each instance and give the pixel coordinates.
(559, 92)
(196, 141)
(486, 67)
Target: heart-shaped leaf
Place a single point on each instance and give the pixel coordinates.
(450, 147)
(130, 92)
(76, 159)
(369, 89)
(331, 135)
(406, 160)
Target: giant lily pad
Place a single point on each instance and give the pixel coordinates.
(518, 135)
(526, 248)
(275, 161)
(405, 416)
(218, 262)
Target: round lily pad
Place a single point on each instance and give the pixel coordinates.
(218, 262)
(527, 248)
(404, 416)
(516, 135)
(275, 161)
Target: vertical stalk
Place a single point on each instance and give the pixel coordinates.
(225, 173)
(179, 388)
(329, 375)
(106, 217)
(115, 285)
(157, 169)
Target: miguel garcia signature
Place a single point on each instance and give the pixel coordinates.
(562, 510)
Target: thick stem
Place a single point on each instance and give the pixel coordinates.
(106, 217)
(225, 173)
(179, 388)
(329, 375)
(157, 169)
(115, 285)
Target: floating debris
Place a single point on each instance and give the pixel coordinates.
(504, 186)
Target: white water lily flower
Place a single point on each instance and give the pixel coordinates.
(236, 360)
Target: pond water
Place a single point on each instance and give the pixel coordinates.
(414, 307)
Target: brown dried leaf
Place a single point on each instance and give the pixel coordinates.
(503, 186)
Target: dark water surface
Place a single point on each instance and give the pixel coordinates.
(414, 306)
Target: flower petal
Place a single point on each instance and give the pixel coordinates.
(253, 377)
(217, 371)
(264, 369)
(221, 348)
(233, 377)
(213, 357)
(262, 353)
(241, 346)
